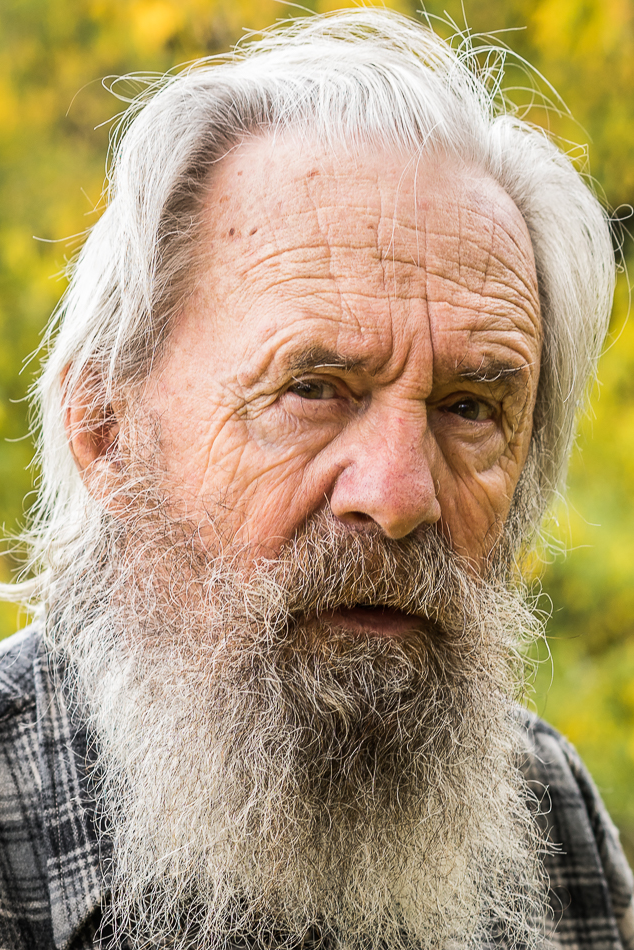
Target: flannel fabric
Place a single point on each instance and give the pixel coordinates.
(52, 888)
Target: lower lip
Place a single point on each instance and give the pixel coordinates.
(372, 621)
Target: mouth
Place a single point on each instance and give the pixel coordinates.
(375, 621)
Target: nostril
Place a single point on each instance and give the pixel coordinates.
(356, 518)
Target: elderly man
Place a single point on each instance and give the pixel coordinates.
(312, 390)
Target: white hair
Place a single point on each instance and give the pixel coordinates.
(353, 79)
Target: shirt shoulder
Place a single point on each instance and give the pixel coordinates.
(25, 911)
(591, 886)
(17, 683)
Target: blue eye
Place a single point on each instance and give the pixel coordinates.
(312, 389)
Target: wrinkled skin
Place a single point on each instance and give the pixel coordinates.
(365, 333)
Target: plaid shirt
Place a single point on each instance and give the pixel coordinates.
(52, 889)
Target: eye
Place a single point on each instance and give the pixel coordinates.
(313, 389)
(468, 407)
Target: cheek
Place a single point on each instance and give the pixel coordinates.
(256, 493)
(250, 474)
(276, 481)
(466, 458)
(267, 505)
(470, 519)
(475, 505)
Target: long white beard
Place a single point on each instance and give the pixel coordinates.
(272, 781)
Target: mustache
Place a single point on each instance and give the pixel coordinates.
(329, 566)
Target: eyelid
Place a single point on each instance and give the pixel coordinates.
(459, 395)
(311, 378)
(327, 379)
(492, 406)
(326, 382)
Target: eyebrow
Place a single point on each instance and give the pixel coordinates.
(318, 357)
(492, 371)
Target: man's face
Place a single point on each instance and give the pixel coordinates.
(365, 335)
(356, 367)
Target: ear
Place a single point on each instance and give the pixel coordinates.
(92, 428)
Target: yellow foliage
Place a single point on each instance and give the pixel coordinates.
(328, 6)
(9, 107)
(595, 28)
(11, 618)
(153, 22)
(16, 246)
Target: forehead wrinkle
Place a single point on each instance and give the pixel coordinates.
(418, 160)
(525, 305)
(504, 247)
(403, 226)
(288, 351)
(492, 331)
(430, 321)
(360, 211)
(399, 286)
(511, 232)
(512, 263)
(323, 258)
(515, 295)
(322, 239)
(466, 240)
(487, 265)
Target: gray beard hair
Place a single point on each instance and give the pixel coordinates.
(271, 780)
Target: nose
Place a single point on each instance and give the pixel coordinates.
(386, 477)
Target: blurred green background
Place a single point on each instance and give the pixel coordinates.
(54, 126)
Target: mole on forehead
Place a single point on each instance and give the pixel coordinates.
(390, 185)
(445, 236)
